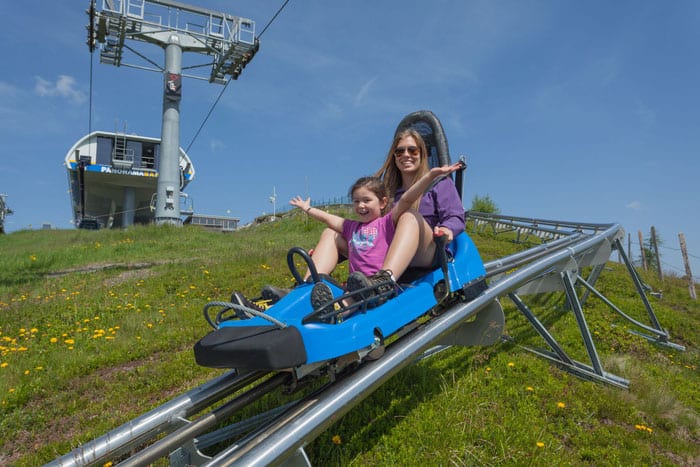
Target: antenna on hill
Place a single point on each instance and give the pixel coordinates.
(273, 200)
(229, 40)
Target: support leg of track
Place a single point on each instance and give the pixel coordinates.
(638, 284)
(592, 279)
(541, 330)
(581, 320)
(559, 357)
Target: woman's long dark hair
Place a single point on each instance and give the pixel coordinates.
(390, 173)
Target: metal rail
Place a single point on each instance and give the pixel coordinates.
(554, 265)
(162, 419)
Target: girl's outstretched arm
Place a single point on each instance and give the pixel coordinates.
(331, 220)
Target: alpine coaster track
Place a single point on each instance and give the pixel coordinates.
(279, 436)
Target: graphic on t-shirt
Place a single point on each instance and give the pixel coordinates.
(364, 237)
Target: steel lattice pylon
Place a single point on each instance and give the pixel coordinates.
(227, 41)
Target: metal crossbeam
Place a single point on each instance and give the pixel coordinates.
(229, 40)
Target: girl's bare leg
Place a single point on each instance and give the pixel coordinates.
(327, 252)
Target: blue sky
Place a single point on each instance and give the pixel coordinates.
(582, 111)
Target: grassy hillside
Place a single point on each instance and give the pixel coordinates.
(97, 327)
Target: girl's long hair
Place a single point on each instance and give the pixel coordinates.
(390, 173)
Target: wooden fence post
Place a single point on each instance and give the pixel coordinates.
(655, 245)
(641, 250)
(629, 246)
(688, 272)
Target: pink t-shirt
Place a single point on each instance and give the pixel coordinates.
(368, 243)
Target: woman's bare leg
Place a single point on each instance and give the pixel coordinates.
(412, 245)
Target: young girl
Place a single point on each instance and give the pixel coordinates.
(369, 237)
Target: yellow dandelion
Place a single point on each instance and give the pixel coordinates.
(529, 388)
(561, 405)
(26, 372)
(69, 341)
(511, 364)
(336, 440)
(3, 364)
(53, 340)
(540, 444)
(643, 428)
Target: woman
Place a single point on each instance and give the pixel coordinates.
(440, 212)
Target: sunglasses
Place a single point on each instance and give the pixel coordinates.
(412, 150)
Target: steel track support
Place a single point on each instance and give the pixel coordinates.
(581, 320)
(592, 279)
(162, 419)
(188, 432)
(638, 284)
(541, 330)
(661, 334)
(189, 454)
(559, 356)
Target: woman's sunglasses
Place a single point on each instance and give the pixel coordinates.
(412, 150)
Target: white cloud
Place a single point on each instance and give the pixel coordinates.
(362, 93)
(63, 87)
(634, 205)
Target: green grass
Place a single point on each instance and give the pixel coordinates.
(97, 328)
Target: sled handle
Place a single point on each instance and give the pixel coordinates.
(309, 263)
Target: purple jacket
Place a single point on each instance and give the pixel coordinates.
(441, 206)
